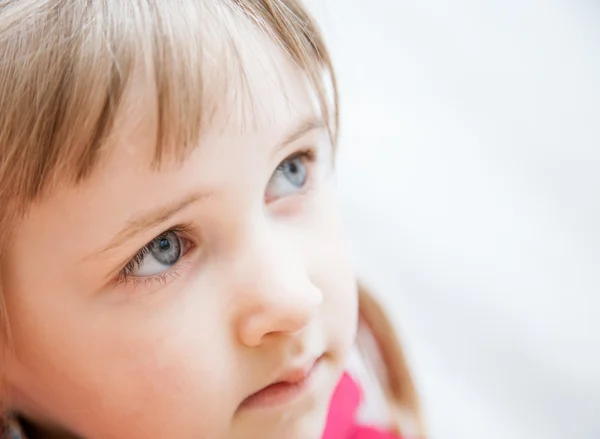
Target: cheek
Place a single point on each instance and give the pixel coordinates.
(176, 386)
(340, 308)
(154, 376)
(331, 270)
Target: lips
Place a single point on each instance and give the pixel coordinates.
(294, 376)
(288, 386)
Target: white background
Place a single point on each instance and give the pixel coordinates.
(469, 175)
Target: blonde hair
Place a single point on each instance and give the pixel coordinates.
(64, 70)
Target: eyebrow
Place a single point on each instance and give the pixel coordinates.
(307, 125)
(161, 215)
(152, 219)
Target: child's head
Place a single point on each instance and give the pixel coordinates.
(169, 242)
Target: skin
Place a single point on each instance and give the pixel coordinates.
(263, 286)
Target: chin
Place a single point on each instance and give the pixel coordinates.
(304, 419)
(308, 423)
(306, 426)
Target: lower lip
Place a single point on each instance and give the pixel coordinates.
(281, 393)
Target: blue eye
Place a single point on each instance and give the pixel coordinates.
(157, 257)
(290, 177)
(165, 249)
(294, 171)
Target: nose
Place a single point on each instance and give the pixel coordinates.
(276, 296)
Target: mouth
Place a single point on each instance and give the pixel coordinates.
(290, 385)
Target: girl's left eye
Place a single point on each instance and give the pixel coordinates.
(290, 177)
(157, 257)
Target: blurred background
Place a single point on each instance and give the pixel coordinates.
(469, 175)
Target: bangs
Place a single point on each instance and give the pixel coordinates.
(66, 68)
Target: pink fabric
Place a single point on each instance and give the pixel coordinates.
(341, 421)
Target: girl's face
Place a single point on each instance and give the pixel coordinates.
(149, 304)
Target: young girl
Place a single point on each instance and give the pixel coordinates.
(171, 259)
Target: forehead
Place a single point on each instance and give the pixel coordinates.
(256, 90)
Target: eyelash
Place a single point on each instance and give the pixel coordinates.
(182, 231)
(309, 155)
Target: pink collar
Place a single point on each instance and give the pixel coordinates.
(341, 421)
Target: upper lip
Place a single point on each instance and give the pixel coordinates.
(295, 375)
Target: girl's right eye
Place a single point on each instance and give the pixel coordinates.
(159, 255)
(157, 258)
